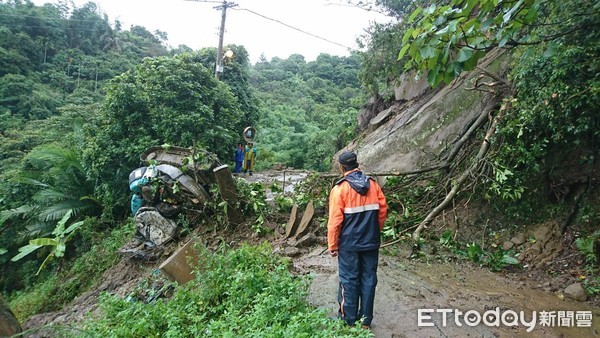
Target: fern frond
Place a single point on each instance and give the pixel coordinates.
(56, 211)
(20, 211)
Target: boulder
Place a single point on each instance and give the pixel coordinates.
(409, 87)
(576, 292)
(305, 241)
(292, 251)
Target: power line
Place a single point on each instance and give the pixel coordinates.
(292, 27)
(227, 4)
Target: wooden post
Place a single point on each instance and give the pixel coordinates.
(228, 193)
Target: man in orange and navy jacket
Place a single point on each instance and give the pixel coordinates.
(357, 211)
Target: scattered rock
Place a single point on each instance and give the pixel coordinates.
(292, 251)
(518, 239)
(429, 248)
(576, 292)
(546, 247)
(9, 325)
(306, 241)
(507, 245)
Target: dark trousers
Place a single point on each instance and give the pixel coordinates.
(238, 166)
(358, 279)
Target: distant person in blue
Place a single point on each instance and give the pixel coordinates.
(238, 157)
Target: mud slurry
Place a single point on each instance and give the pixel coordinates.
(406, 286)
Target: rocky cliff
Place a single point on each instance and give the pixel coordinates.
(423, 122)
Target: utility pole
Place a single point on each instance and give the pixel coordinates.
(219, 61)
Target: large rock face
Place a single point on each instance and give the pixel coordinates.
(409, 87)
(414, 132)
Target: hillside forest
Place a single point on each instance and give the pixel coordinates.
(81, 97)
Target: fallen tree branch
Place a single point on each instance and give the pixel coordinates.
(397, 173)
(483, 149)
(478, 123)
(399, 239)
(495, 77)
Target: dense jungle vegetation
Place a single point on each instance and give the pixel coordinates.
(81, 97)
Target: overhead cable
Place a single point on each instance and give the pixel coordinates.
(292, 27)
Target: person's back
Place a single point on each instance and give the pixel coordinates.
(359, 230)
(357, 211)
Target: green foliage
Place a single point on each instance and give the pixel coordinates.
(405, 198)
(57, 244)
(168, 100)
(26, 98)
(283, 203)
(501, 184)
(586, 246)
(449, 38)
(258, 298)
(253, 203)
(56, 184)
(52, 291)
(380, 66)
(313, 188)
(447, 239)
(553, 129)
(49, 66)
(496, 259)
(309, 109)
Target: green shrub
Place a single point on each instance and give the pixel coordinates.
(247, 292)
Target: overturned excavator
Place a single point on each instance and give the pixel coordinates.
(173, 180)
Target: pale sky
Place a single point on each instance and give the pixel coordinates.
(196, 24)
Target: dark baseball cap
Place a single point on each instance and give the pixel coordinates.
(348, 158)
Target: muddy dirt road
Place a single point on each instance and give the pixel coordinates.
(405, 286)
